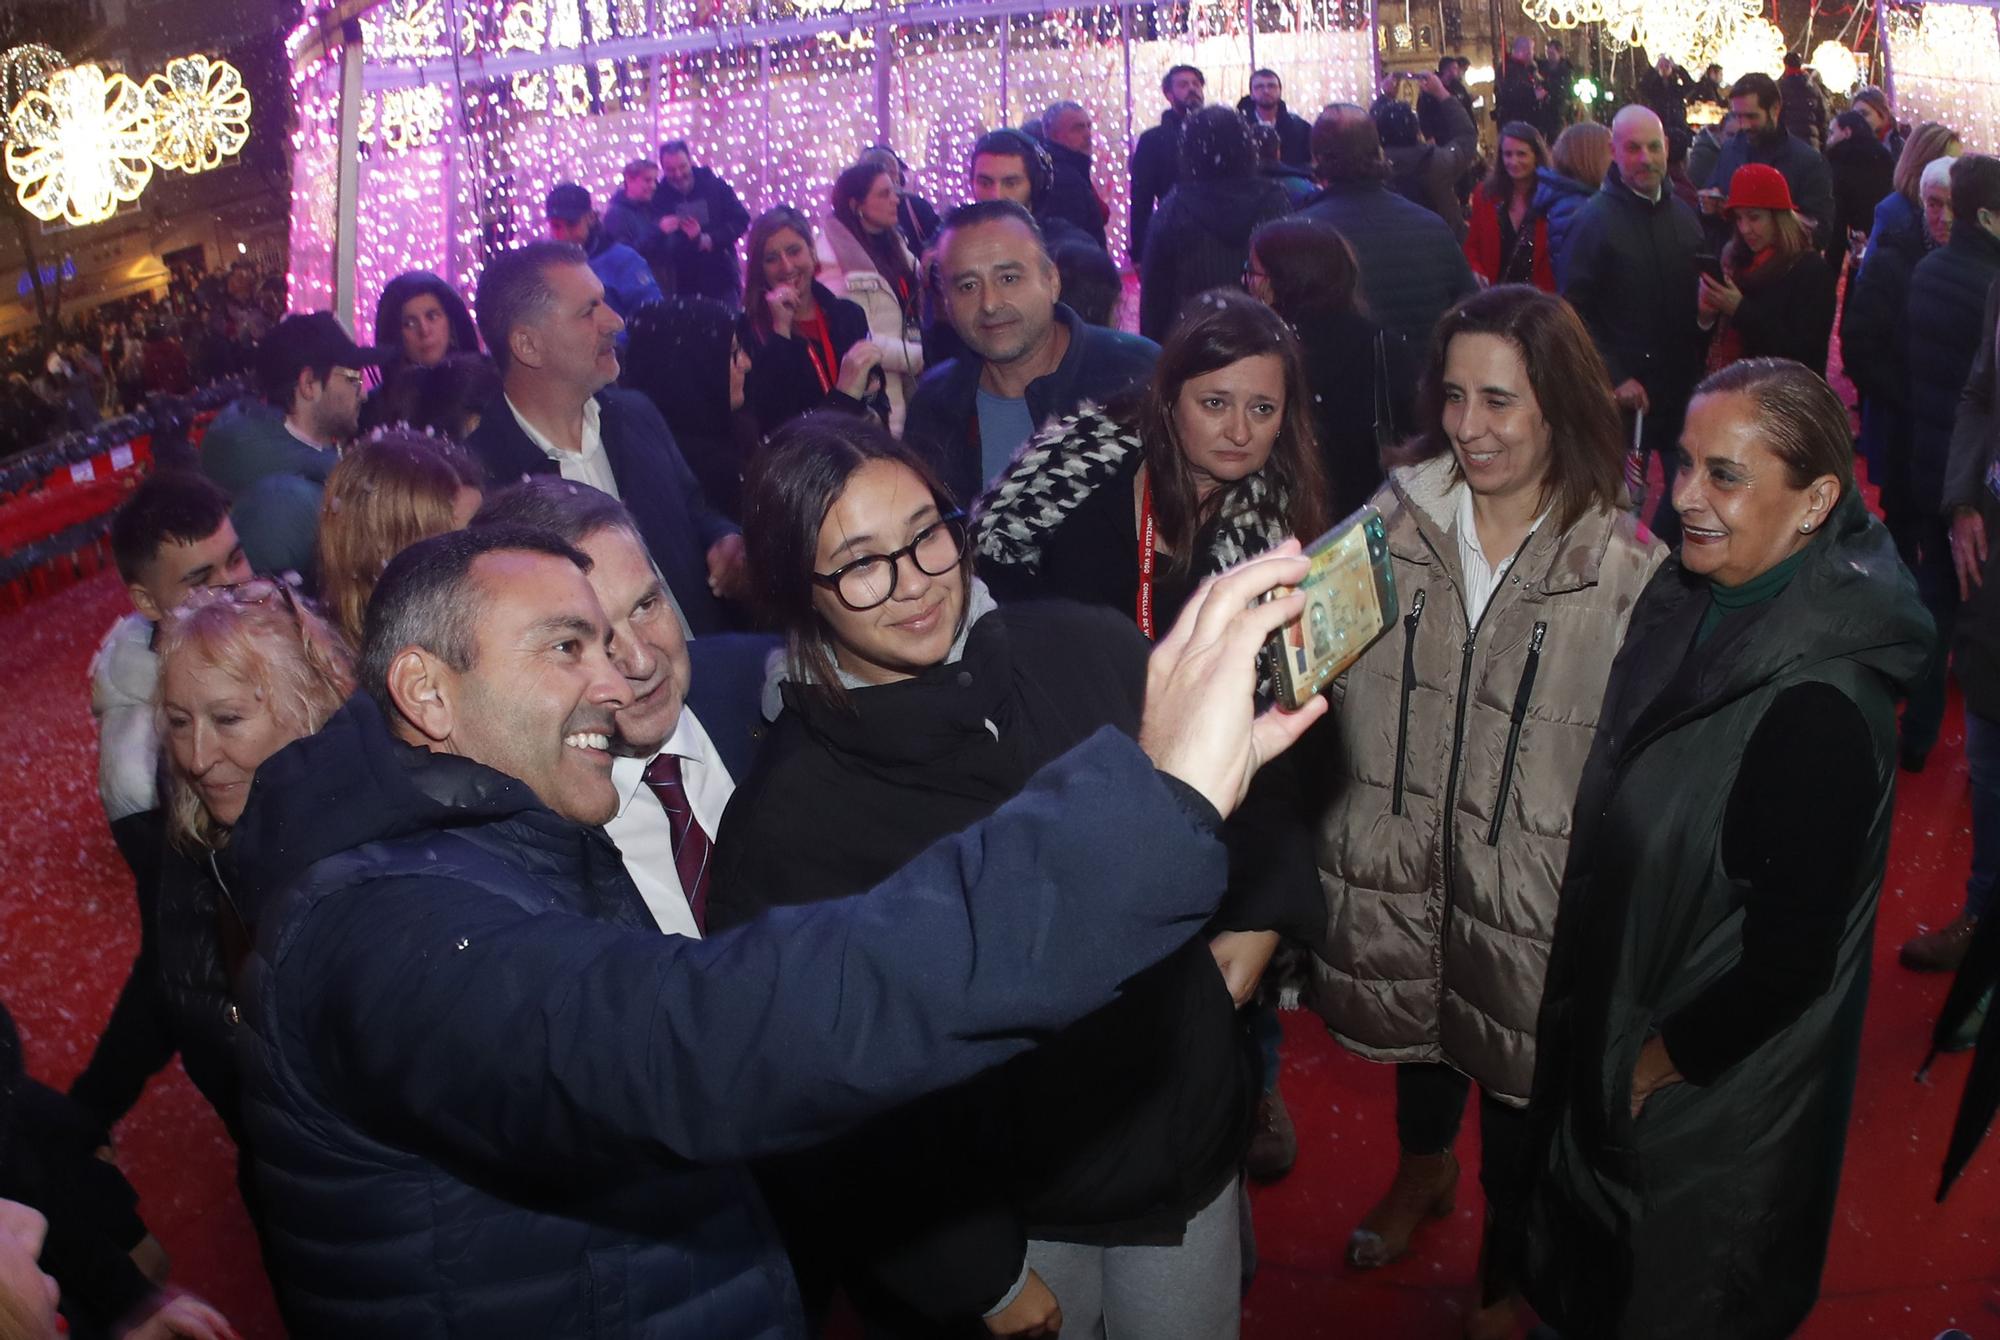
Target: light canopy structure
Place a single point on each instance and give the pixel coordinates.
(459, 115)
(81, 147)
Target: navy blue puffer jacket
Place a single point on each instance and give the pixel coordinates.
(1947, 297)
(487, 1098)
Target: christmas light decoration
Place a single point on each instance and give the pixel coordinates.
(27, 69)
(1755, 47)
(201, 113)
(1942, 60)
(1839, 68)
(1563, 13)
(82, 147)
(776, 96)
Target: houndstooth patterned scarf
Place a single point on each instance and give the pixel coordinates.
(1071, 459)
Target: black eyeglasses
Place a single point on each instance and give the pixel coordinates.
(869, 581)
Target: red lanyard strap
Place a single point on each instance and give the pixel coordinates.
(1144, 614)
(820, 351)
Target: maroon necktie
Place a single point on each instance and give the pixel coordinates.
(691, 846)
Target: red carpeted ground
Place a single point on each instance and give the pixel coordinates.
(1900, 1266)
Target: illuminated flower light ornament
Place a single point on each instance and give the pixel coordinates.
(80, 148)
(1839, 68)
(201, 114)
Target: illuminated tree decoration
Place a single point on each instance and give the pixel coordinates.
(80, 148)
(201, 113)
(27, 69)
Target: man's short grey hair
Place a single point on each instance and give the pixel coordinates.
(569, 511)
(1056, 110)
(1937, 172)
(427, 598)
(514, 290)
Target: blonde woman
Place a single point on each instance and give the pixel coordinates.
(398, 487)
(244, 671)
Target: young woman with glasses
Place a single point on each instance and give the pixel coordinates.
(1094, 1182)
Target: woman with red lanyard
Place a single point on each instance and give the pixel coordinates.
(1507, 242)
(1214, 460)
(807, 348)
(862, 254)
(1131, 506)
(1776, 300)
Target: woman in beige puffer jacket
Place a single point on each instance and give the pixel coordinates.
(1457, 742)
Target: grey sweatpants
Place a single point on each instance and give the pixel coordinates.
(1190, 1292)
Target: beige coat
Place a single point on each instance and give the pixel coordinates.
(1438, 933)
(848, 271)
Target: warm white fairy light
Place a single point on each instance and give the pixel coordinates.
(1942, 60)
(201, 113)
(82, 147)
(778, 119)
(1839, 68)
(1755, 47)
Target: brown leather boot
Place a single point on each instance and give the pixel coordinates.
(1941, 950)
(1425, 1188)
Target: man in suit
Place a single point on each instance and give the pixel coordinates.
(543, 315)
(676, 752)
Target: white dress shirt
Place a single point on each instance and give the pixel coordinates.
(589, 466)
(1482, 578)
(640, 827)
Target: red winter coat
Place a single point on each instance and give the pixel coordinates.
(1482, 243)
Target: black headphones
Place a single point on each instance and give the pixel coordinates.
(1031, 151)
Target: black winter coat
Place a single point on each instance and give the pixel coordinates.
(1071, 197)
(1874, 352)
(1942, 323)
(1975, 653)
(1203, 234)
(715, 273)
(202, 944)
(1115, 1131)
(783, 382)
(1155, 166)
(1342, 370)
(1709, 1213)
(1863, 173)
(1294, 132)
(1628, 269)
(486, 1097)
(1428, 174)
(1789, 314)
(1801, 110)
(1412, 267)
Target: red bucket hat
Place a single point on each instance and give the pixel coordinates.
(1759, 186)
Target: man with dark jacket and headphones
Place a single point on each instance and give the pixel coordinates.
(1010, 164)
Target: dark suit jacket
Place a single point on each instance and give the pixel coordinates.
(725, 693)
(654, 482)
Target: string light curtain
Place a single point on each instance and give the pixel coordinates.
(1943, 61)
(470, 115)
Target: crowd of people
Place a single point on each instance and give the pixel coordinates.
(110, 360)
(721, 785)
